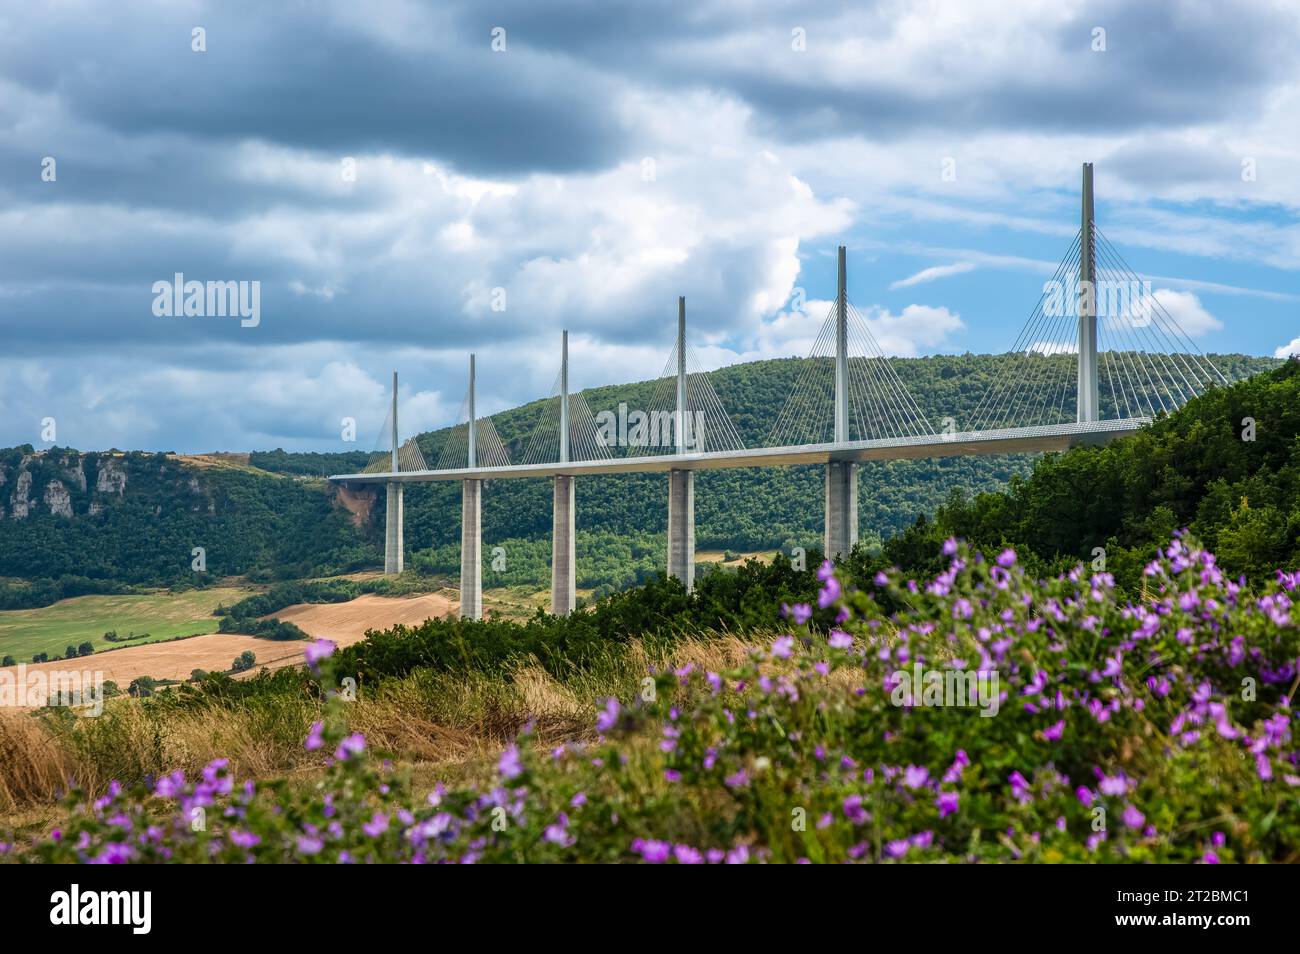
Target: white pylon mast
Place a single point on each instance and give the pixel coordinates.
(564, 398)
(395, 463)
(1088, 405)
(680, 423)
(841, 355)
(473, 449)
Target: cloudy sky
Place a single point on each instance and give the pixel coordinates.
(404, 193)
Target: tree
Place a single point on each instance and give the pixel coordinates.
(86, 649)
(244, 661)
(41, 657)
(8, 661)
(197, 675)
(70, 652)
(142, 686)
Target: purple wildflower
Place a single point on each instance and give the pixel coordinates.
(607, 718)
(351, 745)
(318, 650)
(947, 803)
(314, 740)
(510, 766)
(916, 776)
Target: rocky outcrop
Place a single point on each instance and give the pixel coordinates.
(112, 477)
(357, 500)
(21, 501)
(77, 475)
(58, 499)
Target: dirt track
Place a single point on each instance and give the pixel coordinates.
(345, 623)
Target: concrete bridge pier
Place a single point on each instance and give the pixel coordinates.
(841, 508)
(563, 572)
(471, 549)
(394, 560)
(681, 526)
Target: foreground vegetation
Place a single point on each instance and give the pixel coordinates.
(1157, 729)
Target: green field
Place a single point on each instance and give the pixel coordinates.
(162, 615)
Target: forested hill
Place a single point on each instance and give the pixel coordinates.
(1226, 466)
(74, 523)
(79, 522)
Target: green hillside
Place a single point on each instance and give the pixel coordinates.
(1226, 466)
(77, 523)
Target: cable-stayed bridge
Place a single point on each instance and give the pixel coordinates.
(1098, 357)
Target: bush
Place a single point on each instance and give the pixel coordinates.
(112, 636)
(142, 686)
(41, 657)
(86, 649)
(8, 661)
(723, 600)
(264, 628)
(243, 662)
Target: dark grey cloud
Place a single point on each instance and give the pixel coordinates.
(294, 76)
(1166, 65)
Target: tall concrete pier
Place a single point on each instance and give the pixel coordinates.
(841, 476)
(471, 524)
(563, 573)
(841, 508)
(681, 526)
(563, 569)
(394, 548)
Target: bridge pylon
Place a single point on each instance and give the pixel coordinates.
(1088, 404)
(394, 545)
(563, 524)
(681, 482)
(471, 522)
(841, 523)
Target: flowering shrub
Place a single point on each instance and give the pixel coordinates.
(992, 718)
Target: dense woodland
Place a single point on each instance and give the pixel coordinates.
(277, 519)
(1226, 467)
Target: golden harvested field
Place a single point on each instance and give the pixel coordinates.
(345, 623)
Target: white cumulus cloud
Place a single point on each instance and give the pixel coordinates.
(1288, 349)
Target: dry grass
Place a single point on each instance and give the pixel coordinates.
(440, 722)
(33, 765)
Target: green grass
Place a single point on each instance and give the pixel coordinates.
(163, 615)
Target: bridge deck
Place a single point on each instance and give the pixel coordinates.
(1017, 440)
